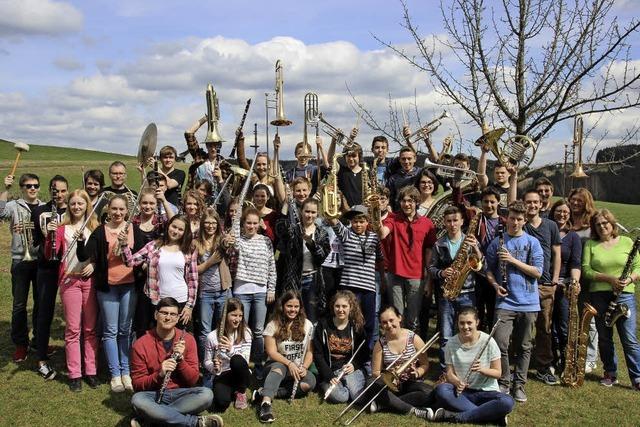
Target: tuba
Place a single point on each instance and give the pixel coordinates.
(280, 119)
(578, 126)
(213, 115)
(330, 194)
(577, 340)
(464, 262)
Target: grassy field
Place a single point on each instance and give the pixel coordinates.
(25, 399)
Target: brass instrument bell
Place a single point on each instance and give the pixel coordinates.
(578, 126)
(213, 116)
(280, 119)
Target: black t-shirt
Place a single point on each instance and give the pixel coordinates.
(340, 345)
(350, 184)
(172, 195)
(548, 235)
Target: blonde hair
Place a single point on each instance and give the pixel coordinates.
(93, 222)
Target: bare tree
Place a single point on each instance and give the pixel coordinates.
(528, 64)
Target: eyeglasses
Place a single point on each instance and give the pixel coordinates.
(602, 224)
(117, 173)
(31, 186)
(426, 183)
(168, 314)
(211, 223)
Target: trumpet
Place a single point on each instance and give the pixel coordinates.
(280, 119)
(578, 126)
(451, 171)
(428, 129)
(26, 234)
(390, 377)
(213, 115)
(444, 157)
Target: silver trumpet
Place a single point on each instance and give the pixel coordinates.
(451, 171)
(428, 129)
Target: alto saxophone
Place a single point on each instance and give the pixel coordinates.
(370, 194)
(330, 194)
(577, 339)
(464, 262)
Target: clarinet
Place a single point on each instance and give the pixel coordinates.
(503, 265)
(54, 217)
(615, 310)
(296, 383)
(167, 377)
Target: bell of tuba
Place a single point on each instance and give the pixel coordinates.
(213, 115)
(578, 125)
(280, 119)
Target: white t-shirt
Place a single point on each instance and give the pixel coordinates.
(171, 275)
(290, 349)
(461, 357)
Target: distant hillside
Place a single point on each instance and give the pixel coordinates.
(44, 152)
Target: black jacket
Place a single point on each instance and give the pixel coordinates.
(322, 357)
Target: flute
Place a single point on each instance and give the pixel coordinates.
(478, 356)
(342, 373)
(296, 383)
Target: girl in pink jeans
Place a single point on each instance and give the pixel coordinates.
(76, 291)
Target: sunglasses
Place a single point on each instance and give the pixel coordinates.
(31, 186)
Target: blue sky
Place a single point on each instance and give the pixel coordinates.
(94, 73)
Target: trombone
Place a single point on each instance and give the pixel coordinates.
(335, 133)
(310, 115)
(213, 116)
(446, 171)
(427, 129)
(280, 119)
(390, 377)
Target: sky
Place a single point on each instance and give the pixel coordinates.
(93, 74)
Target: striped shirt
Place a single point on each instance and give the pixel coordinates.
(360, 255)
(243, 349)
(255, 261)
(388, 357)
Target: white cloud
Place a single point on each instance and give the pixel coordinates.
(29, 17)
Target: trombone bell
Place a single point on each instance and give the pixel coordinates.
(280, 119)
(213, 115)
(579, 172)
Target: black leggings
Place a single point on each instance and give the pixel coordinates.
(412, 394)
(227, 383)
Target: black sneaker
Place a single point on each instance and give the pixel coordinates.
(266, 413)
(256, 397)
(47, 372)
(75, 385)
(547, 377)
(442, 414)
(92, 381)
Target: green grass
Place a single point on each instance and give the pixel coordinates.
(28, 400)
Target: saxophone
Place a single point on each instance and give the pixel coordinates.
(330, 195)
(577, 340)
(615, 310)
(370, 194)
(464, 262)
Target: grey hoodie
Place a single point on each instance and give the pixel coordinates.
(12, 211)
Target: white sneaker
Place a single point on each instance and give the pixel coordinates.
(126, 382)
(116, 385)
(590, 367)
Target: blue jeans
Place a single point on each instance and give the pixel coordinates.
(474, 406)
(626, 331)
(117, 308)
(447, 311)
(210, 305)
(367, 300)
(309, 293)
(255, 313)
(348, 389)
(179, 406)
(376, 323)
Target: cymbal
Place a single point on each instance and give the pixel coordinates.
(148, 142)
(492, 135)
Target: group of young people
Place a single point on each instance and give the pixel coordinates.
(196, 285)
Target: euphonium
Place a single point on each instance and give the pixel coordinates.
(213, 115)
(577, 339)
(280, 119)
(464, 262)
(26, 235)
(330, 194)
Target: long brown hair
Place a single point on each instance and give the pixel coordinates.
(233, 304)
(355, 314)
(589, 205)
(194, 194)
(185, 242)
(201, 243)
(295, 332)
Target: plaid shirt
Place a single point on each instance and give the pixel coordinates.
(150, 254)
